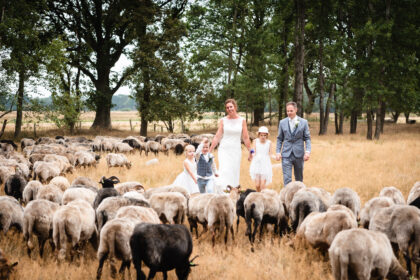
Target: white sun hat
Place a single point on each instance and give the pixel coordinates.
(263, 129)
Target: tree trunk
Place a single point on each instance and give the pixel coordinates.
(143, 125)
(407, 117)
(378, 122)
(103, 115)
(395, 116)
(258, 113)
(309, 93)
(19, 105)
(340, 128)
(3, 127)
(299, 54)
(383, 112)
(369, 115)
(103, 98)
(327, 110)
(321, 90)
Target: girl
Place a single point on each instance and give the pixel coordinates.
(188, 177)
(260, 169)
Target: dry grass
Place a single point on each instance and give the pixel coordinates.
(336, 161)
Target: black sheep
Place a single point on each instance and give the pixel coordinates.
(14, 186)
(240, 209)
(161, 248)
(179, 149)
(107, 190)
(9, 142)
(132, 142)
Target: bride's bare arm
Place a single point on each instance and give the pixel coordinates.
(217, 137)
(245, 135)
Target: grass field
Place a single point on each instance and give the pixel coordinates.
(336, 161)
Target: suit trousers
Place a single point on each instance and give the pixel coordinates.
(287, 164)
(205, 185)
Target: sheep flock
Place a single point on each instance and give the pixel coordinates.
(129, 223)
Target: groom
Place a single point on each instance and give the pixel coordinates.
(293, 131)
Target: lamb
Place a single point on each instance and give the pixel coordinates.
(75, 223)
(115, 236)
(5, 267)
(171, 207)
(319, 229)
(219, 213)
(50, 192)
(196, 211)
(152, 146)
(347, 197)
(107, 190)
(78, 193)
(117, 160)
(30, 191)
(84, 181)
(240, 209)
(109, 206)
(303, 203)
(129, 186)
(161, 248)
(37, 219)
(371, 207)
(401, 224)
(287, 193)
(46, 171)
(263, 208)
(123, 148)
(61, 182)
(14, 185)
(393, 193)
(356, 253)
(11, 214)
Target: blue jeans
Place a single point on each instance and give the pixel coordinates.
(205, 185)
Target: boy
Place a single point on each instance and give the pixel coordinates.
(206, 167)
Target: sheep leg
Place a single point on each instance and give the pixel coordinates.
(257, 223)
(226, 233)
(101, 264)
(41, 243)
(249, 229)
(408, 262)
(152, 274)
(232, 232)
(213, 235)
(165, 275)
(237, 224)
(262, 225)
(137, 266)
(124, 264)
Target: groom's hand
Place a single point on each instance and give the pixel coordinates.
(306, 156)
(278, 157)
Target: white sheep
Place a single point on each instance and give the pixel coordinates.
(171, 207)
(135, 194)
(414, 195)
(129, 186)
(78, 193)
(84, 158)
(62, 162)
(393, 193)
(123, 148)
(196, 211)
(339, 207)
(11, 214)
(148, 193)
(30, 191)
(117, 160)
(85, 181)
(50, 192)
(74, 223)
(287, 193)
(347, 197)
(371, 207)
(37, 219)
(61, 182)
(303, 203)
(45, 171)
(356, 253)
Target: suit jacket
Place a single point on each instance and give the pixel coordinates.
(293, 142)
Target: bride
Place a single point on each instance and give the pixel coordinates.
(231, 129)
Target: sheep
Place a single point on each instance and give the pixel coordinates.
(30, 191)
(135, 195)
(401, 223)
(171, 207)
(182, 190)
(303, 203)
(75, 223)
(347, 197)
(152, 146)
(115, 236)
(240, 209)
(319, 229)
(132, 142)
(393, 193)
(44, 140)
(263, 208)
(37, 219)
(11, 214)
(25, 142)
(339, 207)
(62, 162)
(161, 248)
(46, 171)
(61, 182)
(50, 192)
(219, 213)
(356, 253)
(287, 193)
(109, 206)
(5, 267)
(14, 185)
(84, 159)
(78, 193)
(371, 207)
(322, 194)
(129, 186)
(84, 181)
(196, 211)
(117, 160)
(106, 191)
(123, 148)
(6, 172)
(414, 195)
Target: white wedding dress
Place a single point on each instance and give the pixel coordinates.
(230, 153)
(185, 180)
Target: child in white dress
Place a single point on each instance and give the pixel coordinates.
(188, 177)
(260, 170)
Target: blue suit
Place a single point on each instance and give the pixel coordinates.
(293, 147)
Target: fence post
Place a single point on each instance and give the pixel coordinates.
(131, 126)
(34, 130)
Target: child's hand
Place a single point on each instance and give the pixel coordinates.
(250, 157)
(217, 175)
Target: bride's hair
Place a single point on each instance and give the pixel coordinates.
(233, 101)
